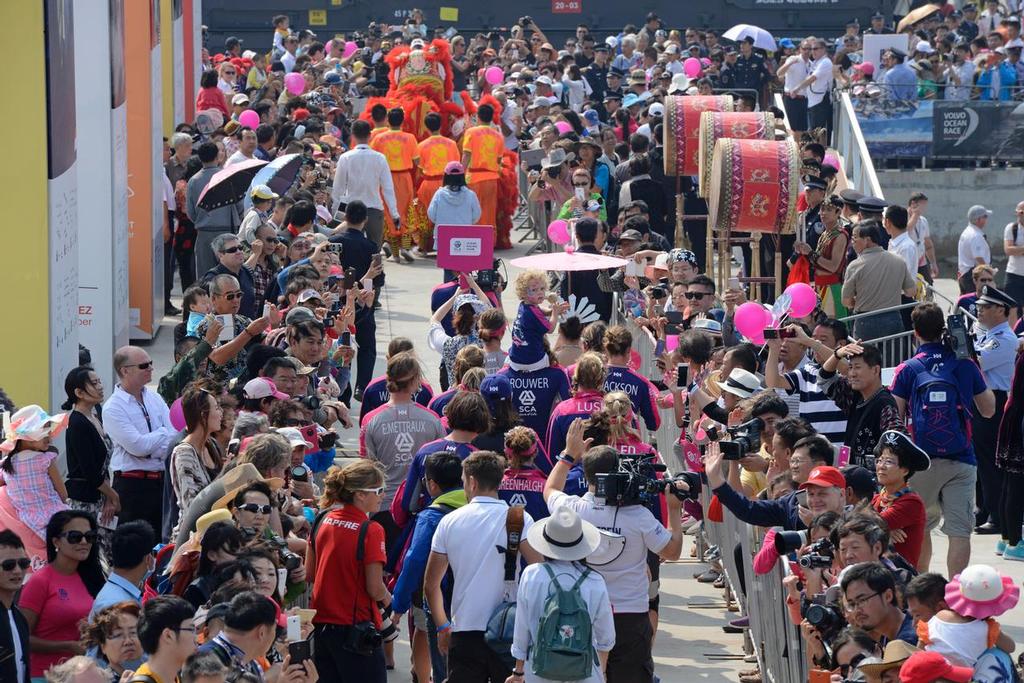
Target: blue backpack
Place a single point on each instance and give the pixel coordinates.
(940, 420)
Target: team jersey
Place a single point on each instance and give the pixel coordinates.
(376, 394)
(535, 393)
(415, 497)
(583, 404)
(391, 435)
(642, 393)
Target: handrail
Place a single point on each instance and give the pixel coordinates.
(849, 142)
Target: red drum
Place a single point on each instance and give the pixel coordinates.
(682, 130)
(754, 185)
(727, 124)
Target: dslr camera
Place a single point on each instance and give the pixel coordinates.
(525, 21)
(957, 339)
(636, 483)
(489, 279)
(289, 560)
(824, 613)
(820, 555)
(743, 438)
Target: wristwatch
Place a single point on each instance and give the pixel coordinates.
(566, 458)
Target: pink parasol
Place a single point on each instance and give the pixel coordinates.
(575, 261)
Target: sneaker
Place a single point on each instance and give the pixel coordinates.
(1000, 546)
(1014, 552)
(710, 576)
(386, 248)
(407, 255)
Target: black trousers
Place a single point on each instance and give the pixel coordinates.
(140, 499)
(1012, 505)
(985, 431)
(630, 661)
(470, 660)
(336, 664)
(366, 355)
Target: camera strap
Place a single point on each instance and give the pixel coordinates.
(514, 532)
(360, 554)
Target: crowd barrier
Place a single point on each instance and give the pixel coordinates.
(774, 639)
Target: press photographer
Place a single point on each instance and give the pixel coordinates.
(630, 531)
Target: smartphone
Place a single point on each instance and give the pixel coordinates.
(228, 333)
(634, 269)
(844, 457)
(801, 498)
(323, 368)
(375, 260)
(674, 317)
(282, 581)
(682, 375)
(346, 339)
(266, 309)
(771, 333)
(339, 216)
(294, 628)
(350, 279)
(298, 651)
(734, 283)
(815, 676)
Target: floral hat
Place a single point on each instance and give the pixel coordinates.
(677, 255)
(31, 423)
(981, 592)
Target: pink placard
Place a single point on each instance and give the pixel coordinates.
(465, 247)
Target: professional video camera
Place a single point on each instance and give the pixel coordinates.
(744, 438)
(490, 278)
(636, 482)
(957, 339)
(820, 555)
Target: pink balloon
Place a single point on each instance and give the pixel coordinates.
(563, 127)
(295, 83)
(671, 342)
(692, 67)
(177, 415)
(569, 249)
(349, 49)
(704, 61)
(803, 299)
(751, 319)
(494, 75)
(558, 232)
(249, 118)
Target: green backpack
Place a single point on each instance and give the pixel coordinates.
(564, 650)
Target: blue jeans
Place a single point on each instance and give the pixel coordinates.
(881, 325)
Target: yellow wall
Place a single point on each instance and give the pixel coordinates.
(24, 242)
(167, 65)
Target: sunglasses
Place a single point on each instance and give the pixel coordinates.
(231, 250)
(379, 490)
(231, 296)
(255, 508)
(271, 240)
(229, 73)
(697, 295)
(76, 537)
(21, 563)
(141, 366)
(293, 422)
(845, 669)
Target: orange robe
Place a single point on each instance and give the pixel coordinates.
(435, 153)
(400, 149)
(486, 147)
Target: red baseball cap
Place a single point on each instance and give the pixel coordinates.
(925, 667)
(825, 476)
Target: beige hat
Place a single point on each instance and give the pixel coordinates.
(238, 478)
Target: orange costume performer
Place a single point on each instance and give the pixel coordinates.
(435, 153)
(399, 148)
(482, 148)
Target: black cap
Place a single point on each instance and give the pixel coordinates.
(871, 205)
(853, 22)
(617, 72)
(955, 13)
(651, 16)
(232, 41)
(910, 455)
(970, 7)
(814, 182)
(691, 46)
(995, 297)
(612, 96)
(860, 480)
(601, 47)
(730, 49)
(896, 52)
(748, 39)
(878, 15)
(850, 197)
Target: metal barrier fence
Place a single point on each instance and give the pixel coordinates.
(772, 637)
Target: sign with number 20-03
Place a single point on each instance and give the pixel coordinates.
(566, 6)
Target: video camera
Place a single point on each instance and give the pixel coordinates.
(489, 278)
(744, 438)
(957, 339)
(636, 483)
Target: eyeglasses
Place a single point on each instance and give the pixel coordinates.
(76, 537)
(124, 635)
(231, 296)
(189, 629)
(22, 563)
(141, 366)
(379, 490)
(844, 669)
(256, 508)
(854, 605)
(229, 73)
(697, 295)
(818, 47)
(231, 250)
(886, 462)
(300, 245)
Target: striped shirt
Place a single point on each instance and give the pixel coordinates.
(815, 406)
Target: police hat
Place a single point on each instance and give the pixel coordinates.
(995, 297)
(814, 182)
(601, 47)
(878, 15)
(851, 197)
(617, 72)
(612, 96)
(871, 205)
(970, 7)
(910, 455)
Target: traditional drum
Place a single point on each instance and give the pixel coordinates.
(726, 124)
(754, 185)
(682, 130)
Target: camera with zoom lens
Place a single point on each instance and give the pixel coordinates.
(957, 339)
(821, 555)
(787, 542)
(525, 21)
(744, 438)
(636, 483)
(826, 617)
(362, 638)
(488, 279)
(289, 560)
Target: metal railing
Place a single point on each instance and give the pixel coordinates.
(848, 141)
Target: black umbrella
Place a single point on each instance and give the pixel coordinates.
(280, 175)
(229, 185)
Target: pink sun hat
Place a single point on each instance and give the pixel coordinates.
(981, 592)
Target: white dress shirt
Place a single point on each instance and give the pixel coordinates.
(363, 174)
(822, 85)
(141, 432)
(972, 246)
(534, 588)
(904, 247)
(797, 72)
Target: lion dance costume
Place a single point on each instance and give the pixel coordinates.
(421, 83)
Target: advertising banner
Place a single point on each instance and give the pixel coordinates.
(974, 129)
(895, 128)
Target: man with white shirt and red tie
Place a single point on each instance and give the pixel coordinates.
(363, 174)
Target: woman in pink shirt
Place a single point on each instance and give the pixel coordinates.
(60, 595)
(588, 379)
